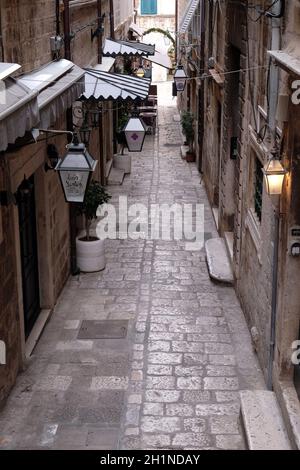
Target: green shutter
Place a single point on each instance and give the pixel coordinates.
(149, 7)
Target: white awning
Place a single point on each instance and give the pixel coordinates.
(106, 65)
(127, 48)
(102, 86)
(18, 109)
(59, 84)
(6, 69)
(287, 61)
(160, 59)
(188, 16)
(136, 29)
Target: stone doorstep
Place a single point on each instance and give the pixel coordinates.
(218, 261)
(116, 177)
(290, 407)
(262, 421)
(36, 332)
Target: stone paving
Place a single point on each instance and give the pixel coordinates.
(173, 382)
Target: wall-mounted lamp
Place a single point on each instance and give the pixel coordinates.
(274, 176)
(180, 78)
(53, 157)
(99, 30)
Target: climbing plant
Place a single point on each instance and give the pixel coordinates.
(163, 32)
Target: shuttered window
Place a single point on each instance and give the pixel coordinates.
(258, 190)
(149, 7)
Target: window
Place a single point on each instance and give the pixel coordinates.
(149, 7)
(258, 189)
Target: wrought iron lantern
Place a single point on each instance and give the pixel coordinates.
(75, 170)
(274, 176)
(85, 134)
(135, 133)
(180, 78)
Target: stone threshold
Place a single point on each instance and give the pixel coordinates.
(262, 421)
(290, 407)
(36, 332)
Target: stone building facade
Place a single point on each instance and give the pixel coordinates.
(247, 109)
(25, 30)
(157, 14)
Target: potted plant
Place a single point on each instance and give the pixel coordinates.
(90, 250)
(187, 123)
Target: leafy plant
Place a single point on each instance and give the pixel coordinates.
(187, 123)
(96, 195)
(163, 32)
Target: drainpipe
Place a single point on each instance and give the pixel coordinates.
(176, 29)
(100, 45)
(57, 14)
(72, 208)
(67, 37)
(100, 24)
(202, 94)
(1, 40)
(112, 19)
(275, 16)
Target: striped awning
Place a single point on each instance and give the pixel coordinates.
(127, 48)
(102, 86)
(188, 16)
(160, 59)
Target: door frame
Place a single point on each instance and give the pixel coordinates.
(28, 162)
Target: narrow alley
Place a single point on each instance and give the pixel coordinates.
(177, 351)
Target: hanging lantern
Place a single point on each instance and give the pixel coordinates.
(135, 133)
(85, 134)
(140, 72)
(180, 78)
(274, 176)
(75, 171)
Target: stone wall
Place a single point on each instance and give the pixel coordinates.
(9, 313)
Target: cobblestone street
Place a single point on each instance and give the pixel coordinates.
(174, 381)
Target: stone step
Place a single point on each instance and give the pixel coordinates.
(116, 177)
(262, 421)
(218, 261)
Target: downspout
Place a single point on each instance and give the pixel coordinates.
(100, 45)
(72, 208)
(176, 29)
(202, 94)
(1, 40)
(112, 19)
(57, 14)
(100, 23)
(275, 15)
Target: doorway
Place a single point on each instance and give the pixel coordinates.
(29, 254)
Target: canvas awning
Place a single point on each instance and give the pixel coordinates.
(188, 16)
(18, 107)
(102, 86)
(58, 84)
(286, 60)
(160, 59)
(127, 48)
(136, 29)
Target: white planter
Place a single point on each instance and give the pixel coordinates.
(123, 162)
(90, 255)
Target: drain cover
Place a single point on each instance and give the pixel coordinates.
(107, 329)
